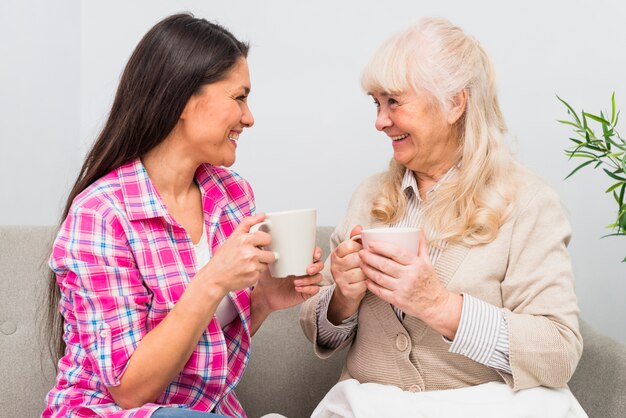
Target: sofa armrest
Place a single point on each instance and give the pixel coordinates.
(599, 382)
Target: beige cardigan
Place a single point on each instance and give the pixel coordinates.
(526, 270)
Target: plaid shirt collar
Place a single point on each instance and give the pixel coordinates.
(143, 201)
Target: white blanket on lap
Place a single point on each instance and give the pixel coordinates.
(350, 399)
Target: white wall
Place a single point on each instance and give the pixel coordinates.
(314, 140)
(39, 108)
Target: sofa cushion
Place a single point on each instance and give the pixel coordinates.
(599, 382)
(27, 373)
(283, 374)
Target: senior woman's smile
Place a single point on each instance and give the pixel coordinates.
(421, 133)
(398, 137)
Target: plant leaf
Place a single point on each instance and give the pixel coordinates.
(613, 114)
(607, 134)
(578, 168)
(614, 175)
(591, 145)
(607, 148)
(614, 234)
(620, 146)
(583, 147)
(572, 112)
(613, 187)
(567, 122)
(596, 118)
(582, 154)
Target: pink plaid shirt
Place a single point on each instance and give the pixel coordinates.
(122, 262)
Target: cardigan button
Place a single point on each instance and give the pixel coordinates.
(402, 342)
(8, 328)
(415, 388)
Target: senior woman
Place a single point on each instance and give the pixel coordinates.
(158, 283)
(489, 297)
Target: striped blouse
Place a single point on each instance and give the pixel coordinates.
(482, 334)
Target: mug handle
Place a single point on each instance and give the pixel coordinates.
(357, 238)
(258, 226)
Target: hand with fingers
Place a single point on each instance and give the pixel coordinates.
(282, 293)
(345, 266)
(409, 282)
(239, 262)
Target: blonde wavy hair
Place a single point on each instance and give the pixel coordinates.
(437, 58)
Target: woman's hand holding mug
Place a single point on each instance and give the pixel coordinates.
(293, 276)
(409, 282)
(283, 293)
(345, 266)
(240, 262)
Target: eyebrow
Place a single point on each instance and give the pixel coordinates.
(235, 90)
(382, 93)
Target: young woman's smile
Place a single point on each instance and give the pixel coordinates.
(214, 118)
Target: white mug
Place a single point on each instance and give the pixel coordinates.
(293, 240)
(407, 238)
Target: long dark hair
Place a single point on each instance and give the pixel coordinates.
(172, 62)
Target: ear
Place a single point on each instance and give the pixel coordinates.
(457, 107)
(189, 106)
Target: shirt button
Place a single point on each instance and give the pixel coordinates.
(415, 388)
(104, 333)
(402, 342)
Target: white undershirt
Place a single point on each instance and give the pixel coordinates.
(226, 310)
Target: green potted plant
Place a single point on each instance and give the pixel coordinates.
(606, 150)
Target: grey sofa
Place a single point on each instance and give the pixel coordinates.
(283, 375)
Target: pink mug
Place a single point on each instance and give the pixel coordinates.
(407, 238)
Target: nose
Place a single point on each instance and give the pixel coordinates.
(247, 119)
(382, 119)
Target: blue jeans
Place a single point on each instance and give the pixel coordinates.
(183, 413)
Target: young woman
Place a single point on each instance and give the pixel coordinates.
(159, 282)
